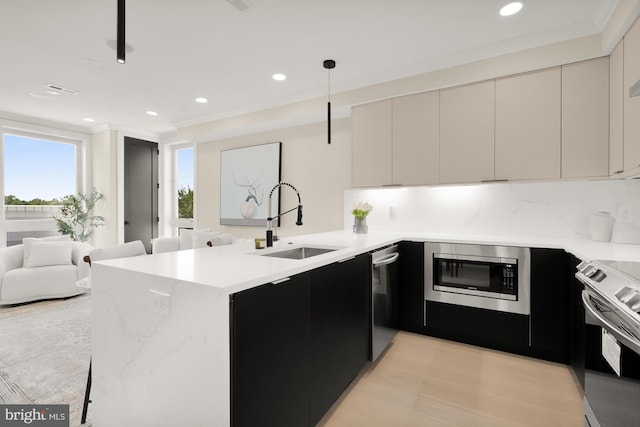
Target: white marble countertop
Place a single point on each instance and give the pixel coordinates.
(236, 267)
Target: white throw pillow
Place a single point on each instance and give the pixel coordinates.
(186, 237)
(49, 253)
(200, 238)
(28, 242)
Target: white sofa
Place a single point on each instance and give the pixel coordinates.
(190, 239)
(51, 268)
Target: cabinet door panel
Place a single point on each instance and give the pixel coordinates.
(371, 144)
(467, 133)
(339, 330)
(585, 119)
(416, 130)
(549, 305)
(631, 105)
(528, 125)
(616, 112)
(270, 345)
(412, 286)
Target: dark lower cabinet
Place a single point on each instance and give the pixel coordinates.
(486, 328)
(549, 305)
(298, 344)
(269, 364)
(576, 322)
(339, 325)
(412, 286)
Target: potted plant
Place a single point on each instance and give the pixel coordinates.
(360, 211)
(75, 217)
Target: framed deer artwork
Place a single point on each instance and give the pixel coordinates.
(247, 176)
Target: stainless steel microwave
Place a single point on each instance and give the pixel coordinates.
(482, 276)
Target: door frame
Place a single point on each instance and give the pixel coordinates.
(120, 154)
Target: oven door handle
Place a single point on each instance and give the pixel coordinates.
(610, 327)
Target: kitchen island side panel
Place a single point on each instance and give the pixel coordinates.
(154, 369)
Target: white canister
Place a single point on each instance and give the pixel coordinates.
(601, 226)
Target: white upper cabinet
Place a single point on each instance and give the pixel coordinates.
(416, 139)
(585, 119)
(616, 111)
(528, 125)
(467, 133)
(371, 144)
(631, 105)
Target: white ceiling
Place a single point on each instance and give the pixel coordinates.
(189, 48)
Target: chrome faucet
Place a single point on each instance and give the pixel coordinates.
(270, 218)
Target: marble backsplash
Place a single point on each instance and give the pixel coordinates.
(540, 209)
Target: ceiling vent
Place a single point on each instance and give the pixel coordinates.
(241, 5)
(59, 89)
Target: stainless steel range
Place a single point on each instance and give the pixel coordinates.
(612, 342)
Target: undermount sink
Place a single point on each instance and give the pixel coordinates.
(301, 252)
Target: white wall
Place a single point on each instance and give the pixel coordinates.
(319, 171)
(533, 209)
(104, 165)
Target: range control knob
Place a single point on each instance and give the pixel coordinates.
(599, 276)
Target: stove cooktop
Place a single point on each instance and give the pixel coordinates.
(630, 268)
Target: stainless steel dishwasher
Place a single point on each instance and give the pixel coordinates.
(385, 319)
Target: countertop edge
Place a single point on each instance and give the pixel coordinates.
(238, 267)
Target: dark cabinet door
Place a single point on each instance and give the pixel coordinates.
(412, 302)
(549, 305)
(576, 322)
(340, 330)
(269, 355)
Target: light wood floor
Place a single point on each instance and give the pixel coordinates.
(424, 381)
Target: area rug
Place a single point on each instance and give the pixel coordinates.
(44, 353)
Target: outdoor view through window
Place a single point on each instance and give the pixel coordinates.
(185, 182)
(38, 174)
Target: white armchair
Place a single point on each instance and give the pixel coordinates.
(190, 239)
(123, 250)
(42, 269)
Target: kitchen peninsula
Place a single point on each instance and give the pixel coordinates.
(160, 333)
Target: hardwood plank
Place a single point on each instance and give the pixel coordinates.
(425, 381)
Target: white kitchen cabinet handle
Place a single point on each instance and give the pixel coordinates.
(277, 282)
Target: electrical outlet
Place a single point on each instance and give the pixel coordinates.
(625, 214)
(160, 302)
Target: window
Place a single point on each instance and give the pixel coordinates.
(39, 171)
(184, 181)
(183, 191)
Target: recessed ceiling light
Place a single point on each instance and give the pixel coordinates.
(88, 119)
(279, 77)
(202, 100)
(152, 113)
(511, 8)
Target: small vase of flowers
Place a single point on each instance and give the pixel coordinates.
(360, 211)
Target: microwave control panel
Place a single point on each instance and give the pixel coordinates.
(509, 279)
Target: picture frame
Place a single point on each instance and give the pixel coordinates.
(247, 175)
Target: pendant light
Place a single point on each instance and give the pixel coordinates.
(329, 64)
(120, 43)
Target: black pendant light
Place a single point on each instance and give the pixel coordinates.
(120, 43)
(329, 64)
